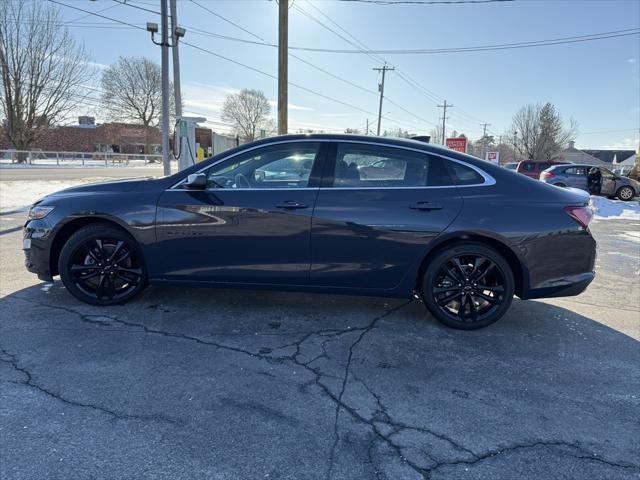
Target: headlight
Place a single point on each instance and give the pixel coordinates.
(38, 212)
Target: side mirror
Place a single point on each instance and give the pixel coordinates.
(196, 181)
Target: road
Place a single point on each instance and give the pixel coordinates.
(205, 383)
(67, 173)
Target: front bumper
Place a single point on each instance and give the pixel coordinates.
(36, 247)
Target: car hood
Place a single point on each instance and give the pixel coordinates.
(121, 185)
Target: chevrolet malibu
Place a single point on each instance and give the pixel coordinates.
(460, 233)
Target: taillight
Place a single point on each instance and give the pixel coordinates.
(547, 175)
(582, 215)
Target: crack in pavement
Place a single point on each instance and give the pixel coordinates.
(345, 379)
(584, 455)
(11, 359)
(379, 436)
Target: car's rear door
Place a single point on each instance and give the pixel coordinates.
(367, 233)
(251, 225)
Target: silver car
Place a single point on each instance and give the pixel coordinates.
(575, 175)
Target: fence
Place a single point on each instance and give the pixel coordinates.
(95, 159)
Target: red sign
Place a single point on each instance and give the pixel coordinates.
(457, 144)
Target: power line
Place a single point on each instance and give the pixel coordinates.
(483, 48)
(424, 2)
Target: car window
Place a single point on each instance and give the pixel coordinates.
(464, 175)
(529, 166)
(279, 166)
(575, 171)
(369, 166)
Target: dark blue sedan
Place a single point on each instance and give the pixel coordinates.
(324, 213)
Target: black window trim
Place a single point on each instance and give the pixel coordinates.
(327, 157)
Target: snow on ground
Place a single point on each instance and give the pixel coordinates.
(19, 195)
(606, 209)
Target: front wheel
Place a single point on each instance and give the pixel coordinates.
(625, 193)
(102, 265)
(468, 286)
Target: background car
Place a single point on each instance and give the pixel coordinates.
(574, 175)
(511, 165)
(533, 169)
(462, 233)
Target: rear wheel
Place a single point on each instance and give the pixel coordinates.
(102, 265)
(468, 286)
(625, 193)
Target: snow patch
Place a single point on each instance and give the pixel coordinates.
(606, 209)
(19, 195)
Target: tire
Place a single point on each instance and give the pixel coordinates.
(482, 266)
(625, 193)
(102, 265)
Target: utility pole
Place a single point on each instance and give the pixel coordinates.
(165, 87)
(367, 130)
(444, 118)
(283, 66)
(383, 69)
(484, 139)
(176, 58)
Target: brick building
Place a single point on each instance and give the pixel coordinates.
(88, 137)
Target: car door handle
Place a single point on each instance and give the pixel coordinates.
(426, 206)
(290, 205)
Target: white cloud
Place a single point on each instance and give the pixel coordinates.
(292, 106)
(625, 144)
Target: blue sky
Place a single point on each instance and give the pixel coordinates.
(596, 83)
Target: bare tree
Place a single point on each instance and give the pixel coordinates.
(42, 70)
(436, 134)
(132, 92)
(247, 110)
(538, 132)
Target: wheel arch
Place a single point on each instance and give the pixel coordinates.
(517, 268)
(72, 226)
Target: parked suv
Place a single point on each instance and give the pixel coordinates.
(574, 175)
(532, 169)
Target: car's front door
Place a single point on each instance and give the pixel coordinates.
(370, 230)
(608, 182)
(250, 225)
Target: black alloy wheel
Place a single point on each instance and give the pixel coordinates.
(468, 286)
(102, 265)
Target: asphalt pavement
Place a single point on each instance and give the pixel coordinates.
(223, 384)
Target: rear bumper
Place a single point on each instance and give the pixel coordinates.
(562, 287)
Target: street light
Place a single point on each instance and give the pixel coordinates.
(178, 32)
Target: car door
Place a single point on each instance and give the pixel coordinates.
(576, 177)
(608, 182)
(367, 233)
(250, 225)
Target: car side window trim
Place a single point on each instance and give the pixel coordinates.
(327, 158)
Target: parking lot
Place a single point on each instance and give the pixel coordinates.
(222, 384)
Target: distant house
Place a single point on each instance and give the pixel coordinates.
(574, 155)
(598, 157)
